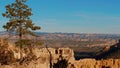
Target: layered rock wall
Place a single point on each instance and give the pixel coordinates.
(92, 63)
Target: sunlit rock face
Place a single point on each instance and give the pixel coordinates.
(42, 58)
(92, 63)
(8, 52)
(57, 55)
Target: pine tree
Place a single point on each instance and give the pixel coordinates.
(19, 22)
(19, 19)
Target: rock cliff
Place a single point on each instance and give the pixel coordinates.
(92, 63)
(110, 52)
(39, 58)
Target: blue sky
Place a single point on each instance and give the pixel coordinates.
(73, 16)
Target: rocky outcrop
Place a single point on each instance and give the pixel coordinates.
(8, 49)
(39, 58)
(42, 58)
(57, 54)
(92, 63)
(84, 63)
(9, 54)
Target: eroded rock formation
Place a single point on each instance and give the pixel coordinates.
(92, 63)
(39, 58)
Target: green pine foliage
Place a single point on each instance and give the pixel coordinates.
(19, 22)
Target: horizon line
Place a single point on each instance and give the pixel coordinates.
(73, 32)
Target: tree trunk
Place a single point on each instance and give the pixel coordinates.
(20, 38)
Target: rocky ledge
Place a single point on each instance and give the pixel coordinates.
(40, 58)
